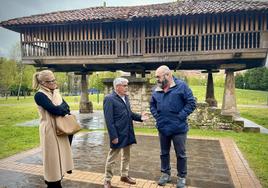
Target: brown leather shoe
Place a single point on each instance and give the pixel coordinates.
(107, 184)
(128, 179)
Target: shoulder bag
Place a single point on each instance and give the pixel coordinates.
(67, 125)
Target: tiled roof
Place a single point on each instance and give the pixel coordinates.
(186, 7)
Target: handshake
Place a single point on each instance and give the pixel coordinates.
(144, 116)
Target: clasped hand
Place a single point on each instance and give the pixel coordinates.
(144, 116)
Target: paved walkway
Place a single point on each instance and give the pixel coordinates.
(215, 163)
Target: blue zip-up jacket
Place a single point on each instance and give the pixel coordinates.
(172, 108)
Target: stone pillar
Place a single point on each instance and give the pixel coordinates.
(210, 98)
(139, 93)
(85, 105)
(229, 100)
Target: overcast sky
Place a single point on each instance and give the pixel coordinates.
(17, 8)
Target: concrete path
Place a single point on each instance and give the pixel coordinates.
(215, 163)
(251, 124)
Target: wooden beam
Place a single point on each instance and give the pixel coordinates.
(233, 66)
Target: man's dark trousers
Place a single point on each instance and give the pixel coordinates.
(179, 141)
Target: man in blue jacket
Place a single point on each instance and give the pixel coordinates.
(172, 101)
(118, 117)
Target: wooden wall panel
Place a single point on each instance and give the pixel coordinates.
(230, 31)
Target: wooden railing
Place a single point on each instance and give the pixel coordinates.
(206, 42)
(104, 47)
(142, 46)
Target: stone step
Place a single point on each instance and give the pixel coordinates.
(252, 129)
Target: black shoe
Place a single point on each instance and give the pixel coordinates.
(56, 184)
(69, 172)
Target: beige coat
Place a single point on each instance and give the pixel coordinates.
(56, 150)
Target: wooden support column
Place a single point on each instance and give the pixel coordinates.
(229, 100)
(133, 74)
(85, 105)
(210, 97)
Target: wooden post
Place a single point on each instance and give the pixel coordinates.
(22, 45)
(197, 42)
(209, 43)
(129, 39)
(117, 40)
(143, 38)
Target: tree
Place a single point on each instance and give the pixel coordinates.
(256, 79)
(264, 81)
(8, 74)
(15, 54)
(13, 74)
(95, 79)
(27, 79)
(62, 80)
(239, 81)
(20, 70)
(23, 84)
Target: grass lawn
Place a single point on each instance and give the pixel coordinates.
(243, 96)
(13, 138)
(257, 115)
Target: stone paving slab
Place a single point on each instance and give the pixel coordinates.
(211, 163)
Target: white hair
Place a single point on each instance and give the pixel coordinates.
(118, 81)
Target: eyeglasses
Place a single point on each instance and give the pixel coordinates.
(51, 81)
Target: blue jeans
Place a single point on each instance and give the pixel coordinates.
(179, 141)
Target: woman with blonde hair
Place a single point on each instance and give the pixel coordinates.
(56, 150)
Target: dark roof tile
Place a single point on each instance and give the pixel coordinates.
(121, 13)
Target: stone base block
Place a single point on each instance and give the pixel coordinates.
(252, 129)
(212, 102)
(86, 107)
